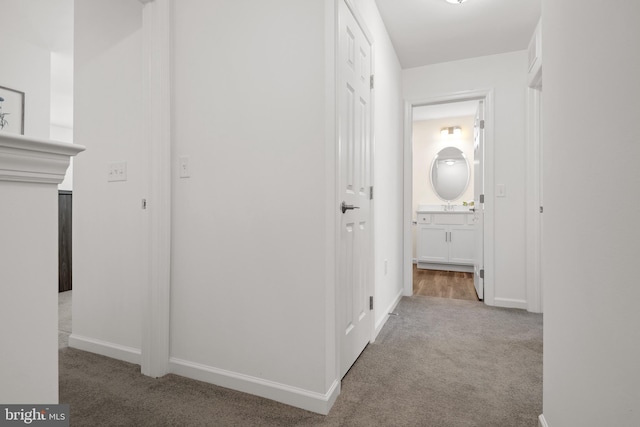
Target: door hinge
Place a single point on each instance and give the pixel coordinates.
(481, 124)
(482, 273)
(144, 203)
(541, 209)
(371, 303)
(371, 193)
(371, 81)
(482, 198)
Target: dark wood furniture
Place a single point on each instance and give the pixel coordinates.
(64, 240)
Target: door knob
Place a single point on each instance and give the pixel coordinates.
(345, 207)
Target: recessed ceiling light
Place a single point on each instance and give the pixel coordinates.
(455, 1)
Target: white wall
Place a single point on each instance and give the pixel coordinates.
(427, 142)
(110, 228)
(61, 128)
(506, 75)
(388, 165)
(64, 134)
(248, 283)
(590, 238)
(253, 227)
(25, 67)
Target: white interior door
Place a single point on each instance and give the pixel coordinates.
(478, 194)
(355, 285)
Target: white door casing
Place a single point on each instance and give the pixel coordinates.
(486, 96)
(478, 192)
(355, 279)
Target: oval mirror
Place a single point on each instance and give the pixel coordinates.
(450, 174)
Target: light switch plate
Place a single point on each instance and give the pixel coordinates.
(117, 171)
(501, 190)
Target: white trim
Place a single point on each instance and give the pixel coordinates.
(465, 268)
(380, 324)
(294, 396)
(489, 226)
(25, 159)
(105, 348)
(332, 235)
(157, 93)
(510, 303)
(407, 214)
(533, 203)
(362, 23)
(542, 422)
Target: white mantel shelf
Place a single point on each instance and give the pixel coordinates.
(25, 159)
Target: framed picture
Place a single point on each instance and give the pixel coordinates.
(11, 111)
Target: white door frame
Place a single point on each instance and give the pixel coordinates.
(368, 35)
(534, 201)
(156, 27)
(485, 95)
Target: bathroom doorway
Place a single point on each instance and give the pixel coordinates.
(444, 197)
(443, 186)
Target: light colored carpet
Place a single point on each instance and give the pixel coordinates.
(440, 363)
(64, 318)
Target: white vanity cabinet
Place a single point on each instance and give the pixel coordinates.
(445, 241)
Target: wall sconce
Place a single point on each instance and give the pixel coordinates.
(452, 130)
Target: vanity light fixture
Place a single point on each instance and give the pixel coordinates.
(452, 130)
(455, 1)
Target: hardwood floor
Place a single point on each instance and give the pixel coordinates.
(444, 284)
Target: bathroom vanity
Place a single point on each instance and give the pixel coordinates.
(445, 239)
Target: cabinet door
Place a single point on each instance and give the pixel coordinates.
(462, 245)
(432, 244)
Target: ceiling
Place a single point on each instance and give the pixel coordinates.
(45, 23)
(427, 32)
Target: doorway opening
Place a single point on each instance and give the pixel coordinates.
(443, 142)
(448, 224)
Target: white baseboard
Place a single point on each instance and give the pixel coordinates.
(104, 348)
(542, 422)
(383, 319)
(510, 303)
(300, 398)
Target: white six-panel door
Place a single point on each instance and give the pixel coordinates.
(354, 121)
